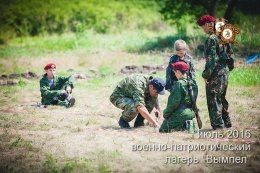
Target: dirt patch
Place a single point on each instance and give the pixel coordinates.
(145, 69)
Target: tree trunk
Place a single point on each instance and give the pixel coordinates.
(212, 7)
(230, 8)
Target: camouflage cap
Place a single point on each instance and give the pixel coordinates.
(159, 85)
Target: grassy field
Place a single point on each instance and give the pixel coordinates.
(86, 137)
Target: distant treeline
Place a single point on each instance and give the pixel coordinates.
(34, 17)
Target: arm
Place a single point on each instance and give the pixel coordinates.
(174, 101)
(144, 112)
(138, 97)
(67, 81)
(169, 75)
(192, 70)
(211, 58)
(158, 109)
(168, 78)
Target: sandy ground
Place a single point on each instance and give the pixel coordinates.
(87, 138)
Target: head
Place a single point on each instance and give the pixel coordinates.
(206, 22)
(180, 69)
(50, 70)
(156, 86)
(180, 47)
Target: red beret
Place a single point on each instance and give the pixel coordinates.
(50, 65)
(180, 66)
(206, 18)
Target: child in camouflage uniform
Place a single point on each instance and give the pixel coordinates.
(181, 49)
(179, 105)
(56, 90)
(215, 74)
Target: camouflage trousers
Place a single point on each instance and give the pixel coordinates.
(128, 106)
(59, 102)
(216, 100)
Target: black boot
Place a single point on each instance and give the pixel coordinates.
(71, 101)
(123, 123)
(226, 120)
(139, 121)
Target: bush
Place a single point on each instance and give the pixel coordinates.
(32, 17)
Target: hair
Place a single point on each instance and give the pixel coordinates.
(182, 71)
(180, 45)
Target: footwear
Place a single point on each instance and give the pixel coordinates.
(217, 127)
(228, 125)
(139, 121)
(123, 124)
(71, 102)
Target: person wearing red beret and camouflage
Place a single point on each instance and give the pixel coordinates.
(56, 90)
(215, 74)
(179, 106)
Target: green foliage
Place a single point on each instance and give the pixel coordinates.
(181, 13)
(31, 17)
(22, 83)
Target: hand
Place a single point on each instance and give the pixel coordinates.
(68, 89)
(158, 115)
(156, 125)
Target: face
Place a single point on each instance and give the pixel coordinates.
(181, 53)
(178, 74)
(205, 28)
(50, 73)
(152, 91)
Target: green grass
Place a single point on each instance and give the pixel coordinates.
(240, 76)
(51, 165)
(88, 41)
(245, 76)
(20, 142)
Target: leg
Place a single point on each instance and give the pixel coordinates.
(215, 110)
(225, 113)
(149, 104)
(126, 104)
(216, 91)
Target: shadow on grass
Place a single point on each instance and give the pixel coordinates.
(117, 128)
(163, 43)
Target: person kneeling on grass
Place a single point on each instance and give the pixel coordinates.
(56, 90)
(179, 107)
(137, 95)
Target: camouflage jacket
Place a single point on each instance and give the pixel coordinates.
(170, 76)
(213, 65)
(136, 87)
(179, 97)
(49, 92)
